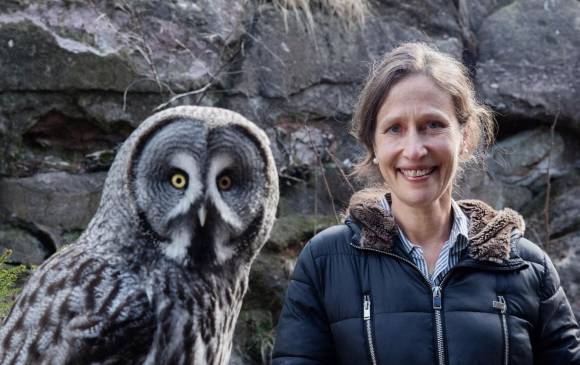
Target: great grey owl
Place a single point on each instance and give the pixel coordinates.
(159, 274)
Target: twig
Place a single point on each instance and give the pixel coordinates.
(267, 49)
(179, 96)
(549, 183)
(337, 163)
(322, 171)
(127, 90)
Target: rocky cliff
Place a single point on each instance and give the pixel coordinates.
(76, 77)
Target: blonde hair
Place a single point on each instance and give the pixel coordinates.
(447, 73)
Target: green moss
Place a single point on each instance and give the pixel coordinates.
(11, 278)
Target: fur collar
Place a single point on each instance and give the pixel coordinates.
(489, 230)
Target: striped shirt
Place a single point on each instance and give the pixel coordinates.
(451, 251)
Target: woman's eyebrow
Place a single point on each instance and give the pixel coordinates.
(430, 113)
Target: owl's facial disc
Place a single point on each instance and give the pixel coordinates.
(201, 191)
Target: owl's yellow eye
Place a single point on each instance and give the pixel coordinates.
(224, 182)
(178, 180)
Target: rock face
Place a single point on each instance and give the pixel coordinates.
(529, 54)
(77, 77)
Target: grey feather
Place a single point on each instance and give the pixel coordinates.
(159, 274)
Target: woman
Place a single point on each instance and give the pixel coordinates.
(414, 277)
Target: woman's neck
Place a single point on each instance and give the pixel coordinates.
(428, 226)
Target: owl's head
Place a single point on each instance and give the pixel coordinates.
(202, 184)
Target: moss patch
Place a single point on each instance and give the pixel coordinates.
(11, 280)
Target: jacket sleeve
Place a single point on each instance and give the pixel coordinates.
(303, 333)
(558, 340)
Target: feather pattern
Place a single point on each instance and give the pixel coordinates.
(118, 295)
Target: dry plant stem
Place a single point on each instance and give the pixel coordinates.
(145, 50)
(319, 160)
(267, 49)
(548, 183)
(179, 96)
(342, 173)
(352, 12)
(138, 42)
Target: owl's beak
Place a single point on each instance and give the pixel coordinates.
(202, 214)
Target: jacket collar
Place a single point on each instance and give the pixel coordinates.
(489, 237)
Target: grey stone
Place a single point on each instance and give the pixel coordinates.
(138, 45)
(515, 171)
(564, 212)
(478, 183)
(25, 247)
(34, 58)
(36, 128)
(565, 253)
(523, 159)
(529, 61)
(318, 71)
(291, 232)
(268, 281)
(57, 200)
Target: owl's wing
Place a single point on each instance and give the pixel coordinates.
(78, 310)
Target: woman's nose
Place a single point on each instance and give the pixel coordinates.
(414, 146)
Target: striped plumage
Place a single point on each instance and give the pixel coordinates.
(159, 275)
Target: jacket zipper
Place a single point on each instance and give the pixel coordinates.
(368, 328)
(438, 325)
(437, 305)
(501, 305)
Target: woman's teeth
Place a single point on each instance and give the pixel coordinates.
(417, 173)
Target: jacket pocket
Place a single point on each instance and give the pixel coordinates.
(501, 306)
(368, 328)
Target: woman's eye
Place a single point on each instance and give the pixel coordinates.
(178, 180)
(224, 182)
(395, 129)
(434, 125)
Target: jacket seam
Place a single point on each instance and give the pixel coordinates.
(543, 285)
(317, 272)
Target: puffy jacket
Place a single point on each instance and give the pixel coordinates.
(356, 298)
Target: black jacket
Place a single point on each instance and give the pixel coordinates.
(356, 298)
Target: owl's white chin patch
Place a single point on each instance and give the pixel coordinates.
(177, 248)
(223, 251)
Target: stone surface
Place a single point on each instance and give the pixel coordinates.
(523, 159)
(529, 61)
(34, 58)
(295, 230)
(515, 170)
(565, 253)
(141, 45)
(105, 117)
(25, 247)
(563, 212)
(316, 71)
(57, 200)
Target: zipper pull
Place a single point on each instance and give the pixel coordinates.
(436, 297)
(366, 307)
(500, 304)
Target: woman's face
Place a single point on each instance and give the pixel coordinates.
(417, 141)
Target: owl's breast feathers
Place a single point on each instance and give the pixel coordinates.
(76, 308)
